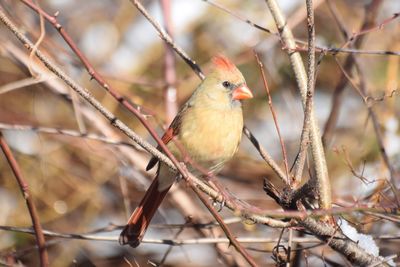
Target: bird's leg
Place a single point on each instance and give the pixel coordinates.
(226, 195)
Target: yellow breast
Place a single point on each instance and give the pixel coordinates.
(211, 137)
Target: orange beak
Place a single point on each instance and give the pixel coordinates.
(242, 92)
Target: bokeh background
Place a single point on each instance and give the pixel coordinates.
(82, 185)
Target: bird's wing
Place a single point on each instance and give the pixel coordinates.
(170, 133)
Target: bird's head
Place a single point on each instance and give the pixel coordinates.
(225, 83)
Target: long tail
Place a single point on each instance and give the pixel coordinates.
(140, 219)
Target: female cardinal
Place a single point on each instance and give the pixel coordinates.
(207, 130)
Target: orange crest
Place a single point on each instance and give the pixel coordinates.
(222, 62)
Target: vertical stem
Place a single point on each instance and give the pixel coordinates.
(323, 184)
(271, 107)
(310, 93)
(170, 92)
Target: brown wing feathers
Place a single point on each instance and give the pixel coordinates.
(171, 132)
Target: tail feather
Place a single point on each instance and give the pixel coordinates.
(139, 221)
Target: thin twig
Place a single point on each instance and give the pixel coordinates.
(173, 242)
(67, 132)
(372, 28)
(265, 155)
(167, 39)
(337, 50)
(285, 160)
(165, 256)
(245, 20)
(5, 88)
(23, 185)
(319, 48)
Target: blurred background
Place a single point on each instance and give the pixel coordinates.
(84, 180)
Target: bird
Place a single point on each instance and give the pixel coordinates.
(207, 130)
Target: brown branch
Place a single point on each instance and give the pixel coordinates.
(133, 108)
(23, 185)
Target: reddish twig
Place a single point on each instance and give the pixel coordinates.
(41, 242)
(285, 161)
(374, 27)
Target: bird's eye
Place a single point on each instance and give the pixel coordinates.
(226, 84)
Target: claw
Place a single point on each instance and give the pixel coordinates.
(221, 204)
